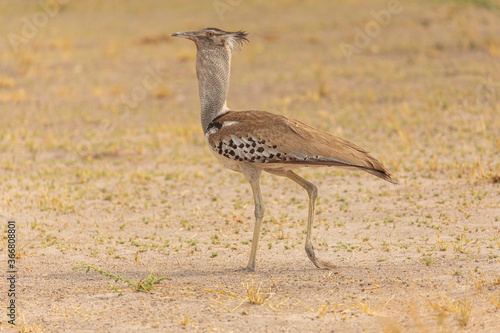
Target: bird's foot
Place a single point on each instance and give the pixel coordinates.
(324, 264)
(321, 264)
(247, 269)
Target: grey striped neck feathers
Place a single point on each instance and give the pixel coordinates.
(213, 67)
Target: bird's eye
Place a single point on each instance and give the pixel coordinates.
(210, 34)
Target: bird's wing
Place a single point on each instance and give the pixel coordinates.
(264, 137)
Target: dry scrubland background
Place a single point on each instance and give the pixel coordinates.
(103, 163)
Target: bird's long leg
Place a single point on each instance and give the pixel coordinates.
(312, 192)
(259, 215)
(253, 175)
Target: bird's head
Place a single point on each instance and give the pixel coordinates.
(210, 38)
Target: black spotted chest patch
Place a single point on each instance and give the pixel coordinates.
(248, 150)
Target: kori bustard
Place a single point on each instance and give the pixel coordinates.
(254, 141)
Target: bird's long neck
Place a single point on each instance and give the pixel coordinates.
(213, 67)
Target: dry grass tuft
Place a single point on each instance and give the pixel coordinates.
(461, 309)
(257, 296)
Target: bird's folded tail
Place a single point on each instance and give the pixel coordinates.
(372, 166)
(381, 173)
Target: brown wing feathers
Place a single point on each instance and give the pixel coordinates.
(338, 150)
(263, 137)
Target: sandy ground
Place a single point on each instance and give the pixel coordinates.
(125, 222)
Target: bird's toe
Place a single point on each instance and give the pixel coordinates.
(246, 270)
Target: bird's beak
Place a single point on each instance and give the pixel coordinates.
(185, 34)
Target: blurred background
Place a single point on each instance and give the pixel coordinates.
(103, 160)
